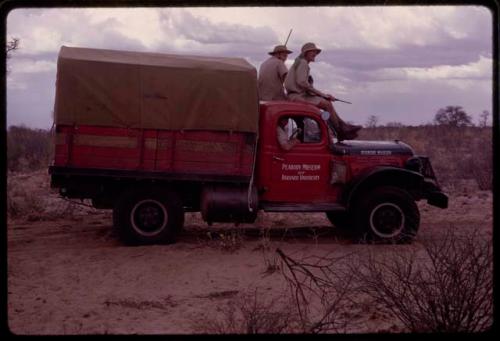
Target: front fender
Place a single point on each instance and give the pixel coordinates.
(383, 176)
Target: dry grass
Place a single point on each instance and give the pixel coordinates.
(447, 288)
(28, 149)
(456, 153)
(251, 313)
(30, 197)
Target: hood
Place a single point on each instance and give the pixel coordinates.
(372, 148)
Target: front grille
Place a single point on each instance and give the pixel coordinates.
(427, 170)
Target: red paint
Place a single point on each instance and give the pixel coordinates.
(301, 175)
(198, 156)
(277, 170)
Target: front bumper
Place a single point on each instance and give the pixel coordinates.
(432, 192)
(430, 187)
(438, 199)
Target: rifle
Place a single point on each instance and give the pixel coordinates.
(311, 81)
(288, 37)
(340, 100)
(337, 99)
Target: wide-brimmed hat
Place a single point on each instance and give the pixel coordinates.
(280, 48)
(310, 47)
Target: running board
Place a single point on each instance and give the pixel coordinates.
(300, 207)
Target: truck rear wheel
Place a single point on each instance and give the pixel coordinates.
(148, 217)
(387, 214)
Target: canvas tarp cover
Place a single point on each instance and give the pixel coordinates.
(155, 91)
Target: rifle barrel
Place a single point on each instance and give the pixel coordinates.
(342, 101)
(288, 37)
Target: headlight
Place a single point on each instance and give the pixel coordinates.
(339, 173)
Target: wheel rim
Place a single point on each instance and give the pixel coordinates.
(387, 220)
(148, 217)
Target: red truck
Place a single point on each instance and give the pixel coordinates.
(152, 136)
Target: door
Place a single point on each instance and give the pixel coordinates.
(301, 174)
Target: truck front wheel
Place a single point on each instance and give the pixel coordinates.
(387, 214)
(148, 217)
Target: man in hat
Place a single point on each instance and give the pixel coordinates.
(272, 73)
(299, 86)
(284, 140)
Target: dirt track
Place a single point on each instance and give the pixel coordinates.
(73, 276)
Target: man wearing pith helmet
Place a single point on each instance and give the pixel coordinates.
(299, 88)
(272, 73)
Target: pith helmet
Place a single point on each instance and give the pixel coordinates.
(280, 48)
(310, 47)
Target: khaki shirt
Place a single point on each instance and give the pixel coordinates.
(296, 83)
(283, 139)
(271, 74)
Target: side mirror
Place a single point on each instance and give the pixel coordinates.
(325, 115)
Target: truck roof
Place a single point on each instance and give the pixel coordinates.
(271, 108)
(155, 59)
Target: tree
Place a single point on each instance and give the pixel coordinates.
(394, 124)
(12, 45)
(453, 116)
(483, 118)
(372, 121)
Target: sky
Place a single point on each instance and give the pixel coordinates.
(399, 63)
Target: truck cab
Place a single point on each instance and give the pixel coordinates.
(367, 186)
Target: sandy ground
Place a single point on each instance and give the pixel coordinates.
(68, 273)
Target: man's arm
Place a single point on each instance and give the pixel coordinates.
(303, 82)
(283, 140)
(282, 71)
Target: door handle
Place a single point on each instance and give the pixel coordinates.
(278, 158)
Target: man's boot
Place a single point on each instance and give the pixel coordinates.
(349, 127)
(341, 132)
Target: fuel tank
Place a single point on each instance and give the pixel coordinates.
(226, 203)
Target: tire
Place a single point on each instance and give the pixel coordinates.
(386, 214)
(340, 220)
(148, 217)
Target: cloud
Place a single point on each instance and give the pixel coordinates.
(482, 69)
(201, 29)
(402, 62)
(32, 66)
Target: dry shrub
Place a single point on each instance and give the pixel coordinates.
(227, 241)
(448, 289)
(30, 197)
(456, 153)
(251, 313)
(271, 261)
(28, 149)
(322, 291)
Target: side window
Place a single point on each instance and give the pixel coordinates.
(312, 131)
(305, 129)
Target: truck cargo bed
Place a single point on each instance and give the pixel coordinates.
(196, 155)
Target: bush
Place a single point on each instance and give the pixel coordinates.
(251, 314)
(28, 149)
(448, 289)
(321, 290)
(456, 153)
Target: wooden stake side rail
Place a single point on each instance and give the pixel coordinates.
(191, 152)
